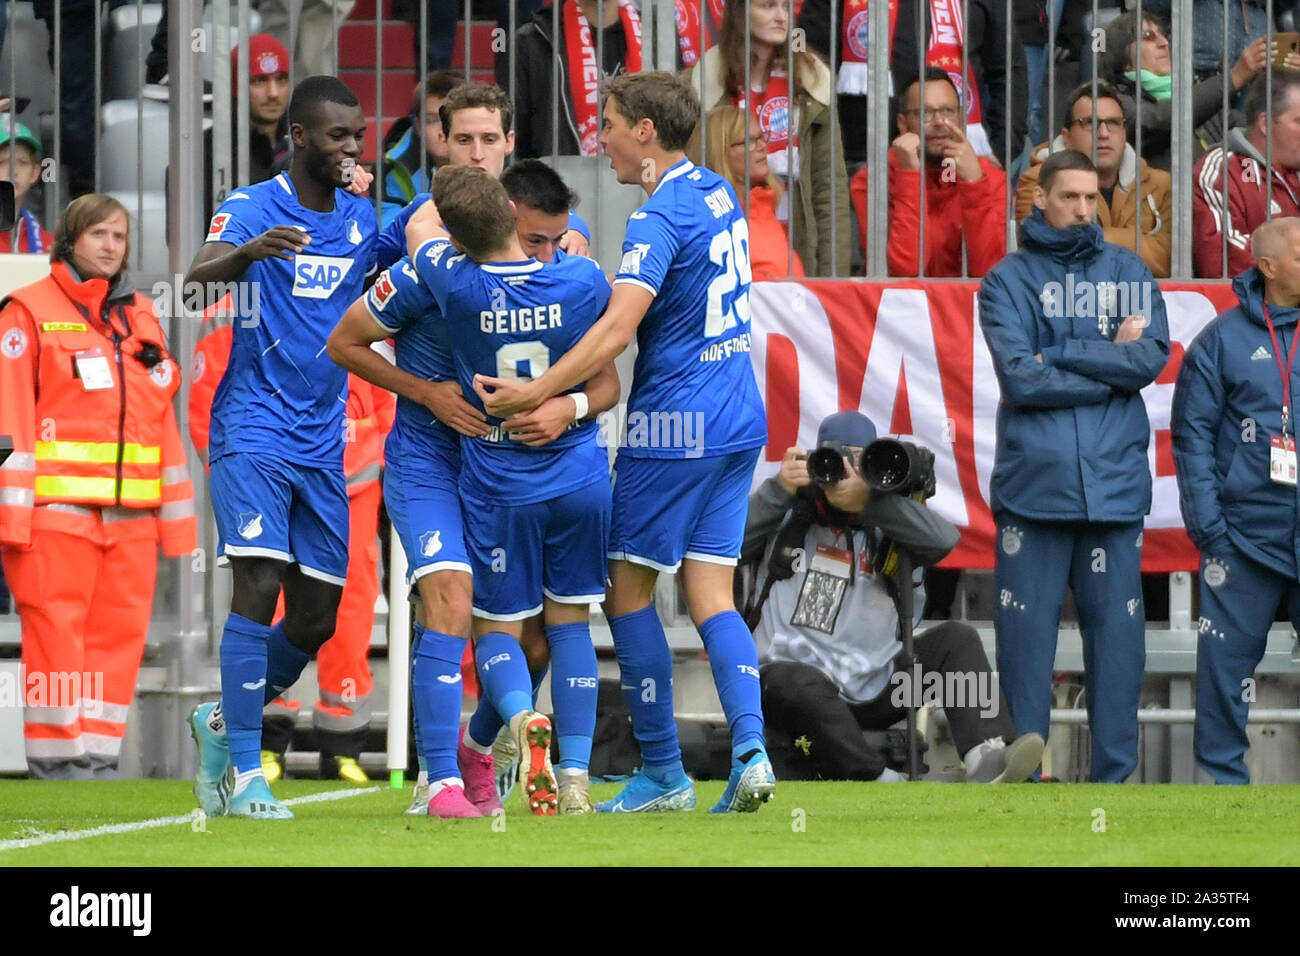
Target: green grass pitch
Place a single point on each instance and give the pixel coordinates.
(808, 824)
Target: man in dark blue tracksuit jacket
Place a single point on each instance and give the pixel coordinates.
(1227, 416)
(1076, 327)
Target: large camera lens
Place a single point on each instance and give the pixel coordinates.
(825, 466)
(887, 465)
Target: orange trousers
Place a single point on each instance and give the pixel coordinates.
(84, 601)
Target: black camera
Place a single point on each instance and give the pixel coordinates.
(826, 464)
(890, 465)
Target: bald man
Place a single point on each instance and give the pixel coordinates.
(1234, 444)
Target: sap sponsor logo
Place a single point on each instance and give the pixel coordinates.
(631, 261)
(316, 277)
(76, 909)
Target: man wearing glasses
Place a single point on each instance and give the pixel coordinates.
(965, 194)
(1123, 210)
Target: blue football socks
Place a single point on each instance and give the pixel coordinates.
(437, 691)
(243, 679)
(646, 665)
(573, 692)
(734, 660)
(284, 663)
(503, 674)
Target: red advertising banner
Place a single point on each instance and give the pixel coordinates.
(911, 357)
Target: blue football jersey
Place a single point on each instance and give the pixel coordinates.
(401, 304)
(693, 389)
(513, 320)
(282, 394)
(392, 240)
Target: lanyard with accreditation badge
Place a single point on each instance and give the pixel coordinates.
(1282, 451)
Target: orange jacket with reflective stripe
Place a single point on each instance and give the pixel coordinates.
(370, 410)
(91, 423)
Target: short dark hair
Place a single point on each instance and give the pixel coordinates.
(533, 183)
(665, 99)
(1105, 91)
(475, 209)
(1060, 161)
(438, 83)
(470, 96)
(315, 90)
(1256, 99)
(931, 74)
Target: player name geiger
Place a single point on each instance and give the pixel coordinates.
(534, 318)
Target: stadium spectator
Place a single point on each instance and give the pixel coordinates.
(77, 89)
(313, 20)
(536, 54)
(1119, 64)
(1035, 21)
(1242, 162)
(993, 78)
(20, 161)
(1238, 490)
(268, 120)
(1247, 22)
(440, 30)
(405, 173)
(1121, 175)
(725, 149)
(828, 655)
(810, 164)
(81, 517)
(1071, 482)
(965, 194)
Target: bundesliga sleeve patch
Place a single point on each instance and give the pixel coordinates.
(382, 290)
(219, 223)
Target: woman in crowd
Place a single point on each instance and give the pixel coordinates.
(1119, 66)
(96, 481)
(810, 164)
(725, 147)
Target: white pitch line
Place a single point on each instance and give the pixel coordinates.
(111, 828)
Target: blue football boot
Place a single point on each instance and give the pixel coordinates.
(643, 795)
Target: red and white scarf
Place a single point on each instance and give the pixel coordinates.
(584, 81)
(854, 77)
(947, 37)
(693, 39)
(774, 112)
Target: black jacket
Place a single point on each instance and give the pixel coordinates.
(986, 42)
(536, 53)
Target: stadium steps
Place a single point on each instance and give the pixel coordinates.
(392, 94)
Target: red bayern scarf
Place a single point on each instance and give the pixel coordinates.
(946, 41)
(584, 82)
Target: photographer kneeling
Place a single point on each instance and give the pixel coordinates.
(827, 626)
